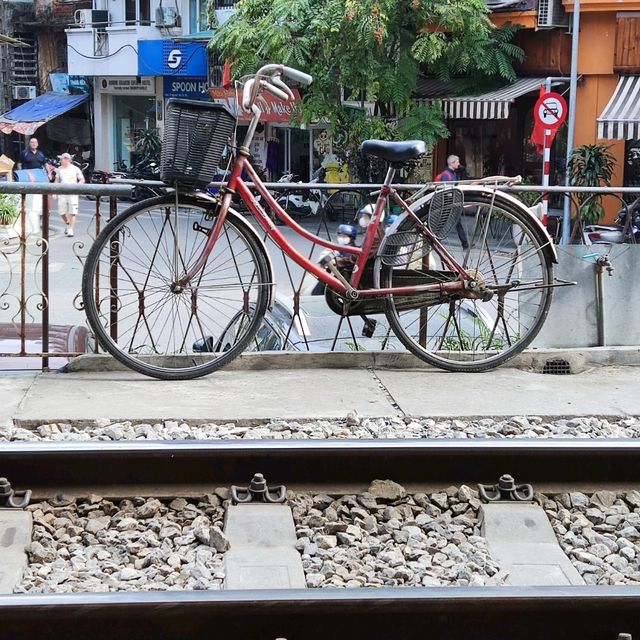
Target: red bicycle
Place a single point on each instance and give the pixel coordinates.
(464, 275)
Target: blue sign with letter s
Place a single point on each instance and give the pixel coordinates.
(171, 58)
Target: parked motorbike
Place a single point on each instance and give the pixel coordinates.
(145, 169)
(303, 203)
(621, 232)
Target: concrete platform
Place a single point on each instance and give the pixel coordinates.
(520, 538)
(262, 553)
(15, 535)
(250, 396)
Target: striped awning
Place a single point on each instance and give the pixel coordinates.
(493, 105)
(620, 119)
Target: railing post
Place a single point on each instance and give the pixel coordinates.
(23, 275)
(45, 280)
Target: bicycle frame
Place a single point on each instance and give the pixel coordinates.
(349, 288)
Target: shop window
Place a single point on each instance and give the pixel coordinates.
(632, 164)
(131, 113)
(482, 146)
(198, 20)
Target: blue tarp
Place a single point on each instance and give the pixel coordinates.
(29, 116)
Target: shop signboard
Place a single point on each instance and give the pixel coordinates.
(274, 109)
(196, 88)
(62, 82)
(172, 58)
(127, 85)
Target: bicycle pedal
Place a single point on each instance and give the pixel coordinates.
(369, 327)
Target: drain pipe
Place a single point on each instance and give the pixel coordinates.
(602, 263)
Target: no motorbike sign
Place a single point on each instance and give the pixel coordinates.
(550, 110)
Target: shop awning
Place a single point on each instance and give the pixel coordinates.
(621, 117)
(26, 118)
(492, 105)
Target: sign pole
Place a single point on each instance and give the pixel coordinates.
(546, 158)
(549, 112)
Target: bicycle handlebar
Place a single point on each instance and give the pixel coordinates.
(269, 78)
(298, 76)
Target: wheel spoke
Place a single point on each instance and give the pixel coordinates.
(505, 257)
(166, 329)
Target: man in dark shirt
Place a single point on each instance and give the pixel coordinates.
(32, 158)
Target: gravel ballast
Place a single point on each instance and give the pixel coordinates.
(387, 538)
(599, 532)
(141, 544)
(353, 427)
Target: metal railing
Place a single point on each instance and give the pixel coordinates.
(25, 258)
(25, 253)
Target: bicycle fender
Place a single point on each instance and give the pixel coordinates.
(240, 220)
(548, 246)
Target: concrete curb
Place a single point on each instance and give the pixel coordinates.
(577, 359)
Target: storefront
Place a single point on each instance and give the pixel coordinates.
(123, 106)
(491, 132)
(620, 120)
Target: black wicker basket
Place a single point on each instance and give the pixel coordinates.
(195, 135)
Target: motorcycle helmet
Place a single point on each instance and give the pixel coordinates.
(364, 215)
(347, 230)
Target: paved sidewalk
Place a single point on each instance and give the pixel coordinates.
(251, 396)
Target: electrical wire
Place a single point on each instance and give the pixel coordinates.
(109, 55)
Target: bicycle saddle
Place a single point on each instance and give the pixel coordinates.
(394, 152)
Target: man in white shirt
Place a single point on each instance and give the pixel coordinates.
(68, 173)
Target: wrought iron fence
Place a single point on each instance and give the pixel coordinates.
(26, 329)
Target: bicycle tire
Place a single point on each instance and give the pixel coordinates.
(147, 323)
(472, 335)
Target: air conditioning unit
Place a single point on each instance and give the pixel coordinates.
(551, 13)
(91, 17)
(167, 17)
(24, 92)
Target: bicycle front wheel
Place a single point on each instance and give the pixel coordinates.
(145, 317)
(498, 245)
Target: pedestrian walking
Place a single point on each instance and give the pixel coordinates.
(32, 157)
(68, 173)
(449, 175)
(32, 164)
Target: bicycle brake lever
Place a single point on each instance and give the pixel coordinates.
(278, 82)
(276, 91)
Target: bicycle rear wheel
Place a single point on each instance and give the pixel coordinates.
(497, 243)
(144, 318)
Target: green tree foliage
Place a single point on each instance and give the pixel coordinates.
(373, 48)
(591, 165)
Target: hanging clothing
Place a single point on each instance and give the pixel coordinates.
(272, 155)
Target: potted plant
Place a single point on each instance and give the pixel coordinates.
(9, 209)
(591, 165)
(147, 143)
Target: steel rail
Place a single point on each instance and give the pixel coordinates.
(481, 613)
(316, 462)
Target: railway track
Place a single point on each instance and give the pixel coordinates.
(336, 467)
(54, 466)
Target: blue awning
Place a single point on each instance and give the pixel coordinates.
(29, 116)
